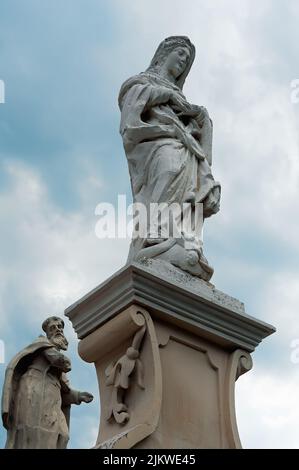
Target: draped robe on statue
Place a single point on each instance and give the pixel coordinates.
(169, 156)
(37, 398)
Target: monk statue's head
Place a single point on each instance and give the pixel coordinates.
(53, 327)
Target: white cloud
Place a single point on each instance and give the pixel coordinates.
(280, 301)
(51, 257)
(267, 397)
(240, 74)
(267, 410)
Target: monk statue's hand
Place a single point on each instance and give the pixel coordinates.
(86, 397)
(5, 420)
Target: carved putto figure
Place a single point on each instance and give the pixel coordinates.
(119, 376)
(168, 144)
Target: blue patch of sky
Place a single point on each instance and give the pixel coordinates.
(61, 108)
(60, 117)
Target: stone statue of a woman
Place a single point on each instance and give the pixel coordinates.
(168, 144)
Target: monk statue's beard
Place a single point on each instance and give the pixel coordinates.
(60, 341)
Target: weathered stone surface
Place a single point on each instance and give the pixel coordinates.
(142, 404)
(191, 342)
(37, 398)
(168, 292)
(168, 144)
(187, 394)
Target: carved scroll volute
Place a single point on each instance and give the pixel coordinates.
(239, 363)
(126, 356)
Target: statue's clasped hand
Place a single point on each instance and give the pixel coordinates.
(85, 397)
(198, 112)
(183, 108)
(66, 366)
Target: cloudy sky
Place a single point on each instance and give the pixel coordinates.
(63, 62)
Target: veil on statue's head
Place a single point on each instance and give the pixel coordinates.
(165, 48)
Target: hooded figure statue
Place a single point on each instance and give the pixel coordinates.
(168, 144)
(37, 398)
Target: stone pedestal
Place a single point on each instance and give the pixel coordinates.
(167, 348)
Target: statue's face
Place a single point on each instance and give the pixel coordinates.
(177, 61)
(56, 336)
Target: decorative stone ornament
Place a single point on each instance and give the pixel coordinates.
(196, 342)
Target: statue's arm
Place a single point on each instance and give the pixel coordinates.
(163, 95)
(74, 397)
(144, 96)
(57, 359)
(158, 95)
(70, 396)
(206, 130)
(139, 99)
(207, 138)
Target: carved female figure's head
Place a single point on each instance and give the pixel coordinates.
(175, 53)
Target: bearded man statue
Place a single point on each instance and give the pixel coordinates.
(37, 397)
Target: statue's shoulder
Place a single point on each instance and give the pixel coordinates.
(136, 79)
(41, 342)
(17, 366)
(140, 79)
